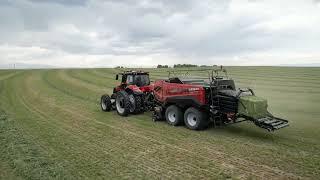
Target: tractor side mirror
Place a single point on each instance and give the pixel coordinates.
(117, 77)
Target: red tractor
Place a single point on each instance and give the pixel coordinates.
(131, 96)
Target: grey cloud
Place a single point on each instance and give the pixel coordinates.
(187, 29)
(62, 2)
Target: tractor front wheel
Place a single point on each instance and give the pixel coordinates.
(174, 115)
(105, 103)
(123, 103)
(113, 101)
(195, 119)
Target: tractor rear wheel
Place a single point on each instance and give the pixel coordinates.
(132, 100)
(138, 104)
(123, 103)
(195, 119)
(105, 103)
(174, 115)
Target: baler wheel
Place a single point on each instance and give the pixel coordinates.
(174, 115)
(195, 119)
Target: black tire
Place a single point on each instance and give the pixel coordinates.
(132, 100)
(195, 119)
(135, 104)
(123, 103)
(174, 115)
(105, 103)
(113, 103)
(138, 102)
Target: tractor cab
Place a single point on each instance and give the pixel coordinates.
(137, 78)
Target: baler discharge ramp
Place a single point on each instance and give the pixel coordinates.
(271, 123)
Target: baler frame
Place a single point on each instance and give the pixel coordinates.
(269, 122)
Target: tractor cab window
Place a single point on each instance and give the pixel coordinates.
(130, 79)
(138, 80)
(142, 80)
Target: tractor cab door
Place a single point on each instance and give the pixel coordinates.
(124, 79)
(123, 83)
(128, 79)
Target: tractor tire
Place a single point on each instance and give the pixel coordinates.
(174, 115)
(123, 103)
(113, 101)
(105, 103)
(132, 100)
(138, 102)
(195, 119)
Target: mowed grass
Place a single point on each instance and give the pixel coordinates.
(51, 127)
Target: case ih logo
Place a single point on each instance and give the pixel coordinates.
(194, 89)
(182, 90)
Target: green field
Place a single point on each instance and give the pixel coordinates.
(51, 127)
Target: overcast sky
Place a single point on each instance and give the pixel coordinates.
(101, 33)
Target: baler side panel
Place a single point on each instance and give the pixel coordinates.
(164, 90)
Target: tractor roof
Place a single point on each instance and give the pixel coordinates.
(134, 73)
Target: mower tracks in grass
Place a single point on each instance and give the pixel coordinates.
(48, 78)
(31, 99)
(78, 83)
(87, 76)
(156, 162)
(148, 127)
(207, 151)
(9, 75)
(81, 136)
(89, 120)
(237, 162)
(62, 113)
(109, 75)
(19, 162)
(213, 154)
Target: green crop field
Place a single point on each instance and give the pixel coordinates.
(51, 127)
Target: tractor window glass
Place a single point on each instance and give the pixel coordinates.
(142, 80)
(129, 79)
